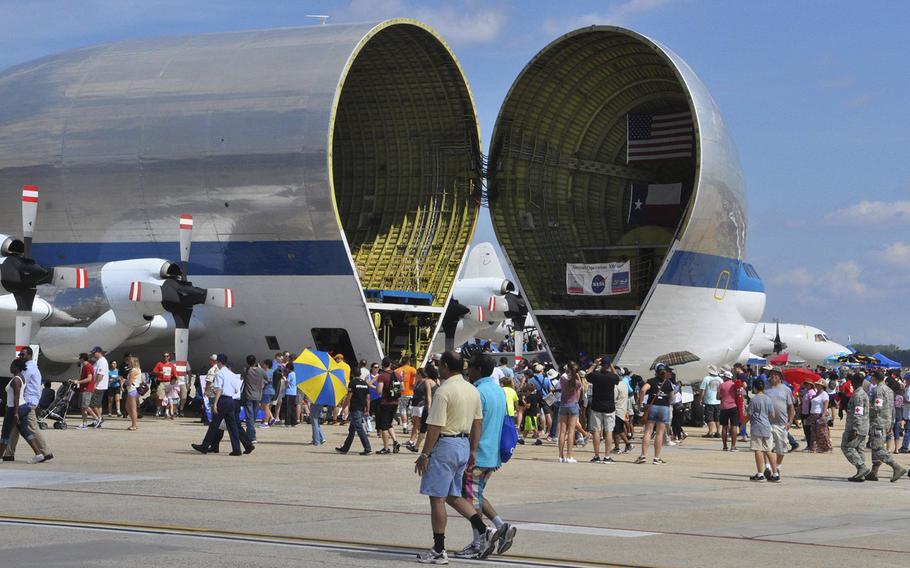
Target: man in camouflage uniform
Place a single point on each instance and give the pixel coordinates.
(881, 420)
(856, 429)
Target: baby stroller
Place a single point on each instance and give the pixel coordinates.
(57, 410)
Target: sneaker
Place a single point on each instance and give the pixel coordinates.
(521, 441)
(538, 442)
(571, 460)
(396, 448)
(726, 449)
(384, 451)
(629, 448)
(487, 543)
(757, 477)
(341, 451)
(562, 460)
(672, 443)
(10, 458)
(607, 460)
(774, 478)
(264, 425)
(640, 459)
(82, 427)
(199, 448)
(898, 473)
(470, 551)
(767, 473)
(657, 461)
(615, 450)
(433, 557)
(37, 458)
(595, 459)
(366, 453)
(505, 535)
(734, 449)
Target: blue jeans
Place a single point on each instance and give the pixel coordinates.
(250, 409)
(356, 426)
(315, 412)
(9, 424)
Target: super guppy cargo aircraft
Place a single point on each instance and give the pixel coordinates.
(329, 179)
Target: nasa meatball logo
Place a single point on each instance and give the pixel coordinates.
(598, 284)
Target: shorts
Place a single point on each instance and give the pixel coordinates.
(620, 426)
(660, 414)
(779, 440)
(113, 389)
(445, 471)
(473, 484)
(385, 416)
(85, 400)
(97, 398)
(568, 409)
(267, 398)
(403, 404)
(601, 421)
(530, 423)
(416, 411)
(760, 444)
(174, 400)
(712, 412)
(133, 393)
(729, 417)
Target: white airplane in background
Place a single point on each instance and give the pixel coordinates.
(483, 302)
(804, 342)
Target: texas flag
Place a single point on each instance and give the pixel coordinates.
(655, 204)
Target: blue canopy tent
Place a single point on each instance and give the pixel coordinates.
(886, 362)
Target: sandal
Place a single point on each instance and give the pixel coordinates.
(133, 428)
(640, 459)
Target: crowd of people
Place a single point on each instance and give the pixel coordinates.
(453, 413)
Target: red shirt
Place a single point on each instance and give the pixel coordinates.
(726, 393)
(164, 371)
(88, 371)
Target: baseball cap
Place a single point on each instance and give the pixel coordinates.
(97, 349)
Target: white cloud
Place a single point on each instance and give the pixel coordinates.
(871, 212)
(618, 14)
(461, 23)
(798, 277)
(846, 279)
(896, 254)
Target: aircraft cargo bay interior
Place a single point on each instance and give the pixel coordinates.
(561, 182)
(406, 173)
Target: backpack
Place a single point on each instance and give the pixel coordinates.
(395, 386)
(508, 439)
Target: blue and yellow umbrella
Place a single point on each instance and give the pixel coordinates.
(320, 378)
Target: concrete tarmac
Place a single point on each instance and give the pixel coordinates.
(118, 498)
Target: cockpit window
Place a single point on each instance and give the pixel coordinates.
(820, 338)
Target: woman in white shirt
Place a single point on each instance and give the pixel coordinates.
(818, 418)
(16, 412)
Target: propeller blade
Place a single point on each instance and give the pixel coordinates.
(65, 277)
(23, 330)
(145, 292)
(186, 241)
(181, 349)
(29, 215)
(219, 297)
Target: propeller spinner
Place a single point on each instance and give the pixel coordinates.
(177, 295)
(21, 275)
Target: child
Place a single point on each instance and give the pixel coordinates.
(172, 397)
(532, 427)
(760, 412)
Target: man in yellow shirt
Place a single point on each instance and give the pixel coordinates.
(453, 432)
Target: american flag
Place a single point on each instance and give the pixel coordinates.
(659, 136)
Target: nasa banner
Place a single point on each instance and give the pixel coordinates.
(608, 279)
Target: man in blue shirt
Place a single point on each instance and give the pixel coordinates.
(485, 458)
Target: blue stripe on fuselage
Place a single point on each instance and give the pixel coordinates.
(700, 270)
(211, 258)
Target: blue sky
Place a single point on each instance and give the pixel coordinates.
(813, 93)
